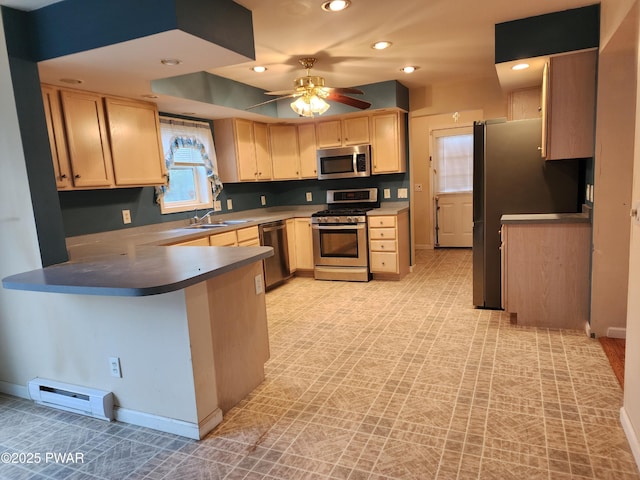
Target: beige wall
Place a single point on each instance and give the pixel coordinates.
(433, 108)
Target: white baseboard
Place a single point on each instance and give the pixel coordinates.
(142, 419)
(14, 389)
(169, 425)
(616, 332)
(632, 438)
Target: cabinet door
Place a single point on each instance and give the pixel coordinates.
(87, 139)
(307, 143)
(198, 242)
(135, 142)
(571, 107)
(226, 239)
(387, 144)
(291, 244)
(329, 134)
(245, 150)
(57, 141)
(304, 244)
(284, 152)
(263, 153)
(355, 131)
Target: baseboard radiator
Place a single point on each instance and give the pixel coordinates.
(72, 398)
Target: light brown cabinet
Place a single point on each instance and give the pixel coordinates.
(102, 142)
(307, 147)
(291, 244)
(57, 140)
(136, 150)
(285, 155)
(389, 245)
(545, 273)
(342, 132)
(304, 244)
(388, 143)
(568, 106)
(242, 150)
(87, 139)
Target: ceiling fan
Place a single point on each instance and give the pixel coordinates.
(310, 93)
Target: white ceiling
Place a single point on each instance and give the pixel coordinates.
(449, 41)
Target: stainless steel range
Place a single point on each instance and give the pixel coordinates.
(340, 249)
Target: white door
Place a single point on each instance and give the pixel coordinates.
(454, 219)
(453, 182)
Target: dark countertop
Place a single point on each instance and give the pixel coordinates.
(140, 272)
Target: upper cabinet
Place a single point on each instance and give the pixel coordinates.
(136, 150)
(388, 149)
(307, 147)
(102, 142)
(568, 106)
(342, 132)
(285, 156)
(242, 149)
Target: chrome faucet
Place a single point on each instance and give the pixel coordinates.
(200, 220)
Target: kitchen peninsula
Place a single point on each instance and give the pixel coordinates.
(188, 325)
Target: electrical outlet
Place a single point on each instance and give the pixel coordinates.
(402, 193)
(217, 206)
(263, 200)
(126, 216)
(114, 365)
(309, 196)
(257, 280)
(418, 187)
(229, 204)
(387, 193)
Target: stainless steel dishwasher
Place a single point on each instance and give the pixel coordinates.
(276, 268)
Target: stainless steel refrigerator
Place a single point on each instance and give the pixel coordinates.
(509, 176)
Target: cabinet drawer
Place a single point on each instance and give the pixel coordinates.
(252, 242)
(383, 246)
(248, 233)
(198, 242)
(382, 233)
(226, 239)
(382, 221)
(384, 262)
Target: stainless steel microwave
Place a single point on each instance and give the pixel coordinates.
(344, 162)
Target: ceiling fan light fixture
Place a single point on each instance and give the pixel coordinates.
(335, 5)
(306, 105)
(381, 45)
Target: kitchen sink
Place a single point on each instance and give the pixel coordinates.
(235, 222)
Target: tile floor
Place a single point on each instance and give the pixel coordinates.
(378, 380)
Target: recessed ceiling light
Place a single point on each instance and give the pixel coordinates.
(381, 45)
(72, 81)
(170, 61)
(409, 69)
(259, 69)
(520, 66)
(335, 5)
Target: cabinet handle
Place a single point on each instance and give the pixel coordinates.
(64, 175)
(77, 176)
(381, 247)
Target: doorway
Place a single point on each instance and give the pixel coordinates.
(452, 174)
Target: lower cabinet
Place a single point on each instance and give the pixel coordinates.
(248, 237)
(304, 244)
(198, 242)
(545, 273)
(389, 245)
(291, 244)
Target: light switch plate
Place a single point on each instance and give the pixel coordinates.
(263, 200)
(387, 193)
(309, 196)
(402, 193)
(229, 204)
(257, 280)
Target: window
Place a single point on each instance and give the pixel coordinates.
(191, 165)
(453, 160)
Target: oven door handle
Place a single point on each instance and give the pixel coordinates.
(358, 226)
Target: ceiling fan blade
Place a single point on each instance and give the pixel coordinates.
(280, 92)
(272, 100)
(352, 102)
(344, 90)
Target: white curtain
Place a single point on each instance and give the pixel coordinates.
(177, 133)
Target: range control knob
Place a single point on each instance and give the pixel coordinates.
(350, 220)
